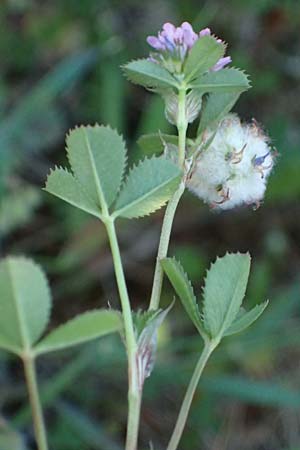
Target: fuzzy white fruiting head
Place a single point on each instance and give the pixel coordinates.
(234, 169)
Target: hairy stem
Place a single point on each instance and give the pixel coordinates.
(186, 404)
(182, 125)
(134, 391)
(34, 398)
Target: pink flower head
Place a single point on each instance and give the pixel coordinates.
(175, 43)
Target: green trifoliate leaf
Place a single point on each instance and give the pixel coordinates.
(147, 188)
(155, 142)
(246, 319)
(216, 107)
(25, 303)
(225, 80)
(204, 54)
(97, 156)
(64, 185)
(184, 290)
(223, 293)
(148, 74)
(83, 328)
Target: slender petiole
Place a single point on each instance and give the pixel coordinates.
(35, 403)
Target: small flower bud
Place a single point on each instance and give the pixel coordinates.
(234, 169)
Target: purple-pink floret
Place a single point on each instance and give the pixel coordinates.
(178, 41)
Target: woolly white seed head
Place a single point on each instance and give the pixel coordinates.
(234, 169)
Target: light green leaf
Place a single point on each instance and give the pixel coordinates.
(224, 290)
(64, 185)
(148, 74)
(154, 142)
(147, 188)
(24, 303)
(246, 319)
(216, 107)
(225, 80)
(83, 328)
(184, 289)
(204, 54)
(97, 156)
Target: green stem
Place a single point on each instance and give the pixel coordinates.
(134, 391)
(34, 398)
(185, 407)
(182, 125)
(135, 400)
(164, 245)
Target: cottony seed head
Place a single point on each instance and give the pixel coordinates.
(234, 169)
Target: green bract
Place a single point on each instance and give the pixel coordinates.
(146, 325)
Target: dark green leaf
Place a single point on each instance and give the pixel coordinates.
(63, 184)
(147, 188)
(205, 53)
(216, 107)
(83, 328)
(148, 74)
(225, 80)
(25, 303)
(223, 293)
(97, 156)
(246, 319)
(184, 289)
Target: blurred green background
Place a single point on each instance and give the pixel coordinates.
(60, 66)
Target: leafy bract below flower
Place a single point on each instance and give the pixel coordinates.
(233, 170)
(173, 44)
